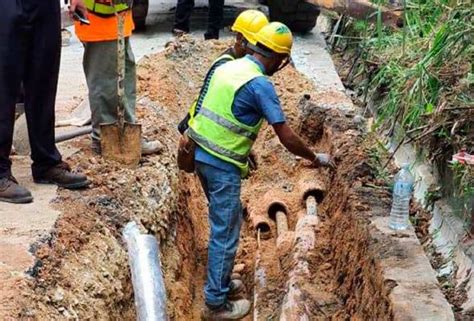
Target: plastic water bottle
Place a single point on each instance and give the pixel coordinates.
(402, 190)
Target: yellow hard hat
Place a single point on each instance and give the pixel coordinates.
(277, 37)
(248, 23)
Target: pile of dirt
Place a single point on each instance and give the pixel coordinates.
(82, 271)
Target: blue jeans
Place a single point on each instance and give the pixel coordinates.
(222, 189)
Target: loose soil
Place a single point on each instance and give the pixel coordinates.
(81, 271)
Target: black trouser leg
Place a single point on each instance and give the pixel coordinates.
(12, 53)
(184, 9)
(41, 81)
(216, 13)
(30, 45)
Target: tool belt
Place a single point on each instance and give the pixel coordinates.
(186, 151)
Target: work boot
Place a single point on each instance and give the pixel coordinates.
(150, 147)
(62, 176)
(12, 192)
(236, 287)
(95, 146)
(230, 310)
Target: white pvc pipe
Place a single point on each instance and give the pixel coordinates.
(147, 278)
(259, 279)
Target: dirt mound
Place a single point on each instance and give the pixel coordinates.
(82, 272)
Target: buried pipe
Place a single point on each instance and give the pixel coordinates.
(259, 279)
(262, 228)
(282, 223)
(313, 192)
(311, 206)
(277, 211)
(294, 305)
(72, 134)
(21, 141)
(147, 278)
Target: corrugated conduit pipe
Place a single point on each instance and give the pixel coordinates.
(147, 277)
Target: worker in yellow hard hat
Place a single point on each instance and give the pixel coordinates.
(246, 26)
(238, 99)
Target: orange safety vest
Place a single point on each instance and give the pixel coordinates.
(103, 28)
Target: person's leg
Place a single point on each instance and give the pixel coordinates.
(225, 218)
(40, 82)
(216, 13)
(184, 9)
(100, 68)
(12, 57)
(202, 179)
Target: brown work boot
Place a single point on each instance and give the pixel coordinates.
(231, 310)
(62, 176)
(12, 192)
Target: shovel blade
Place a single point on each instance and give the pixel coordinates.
(121, 145)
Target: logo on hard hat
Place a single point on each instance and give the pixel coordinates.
(282, 29)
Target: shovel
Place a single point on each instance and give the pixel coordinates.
(121, 141)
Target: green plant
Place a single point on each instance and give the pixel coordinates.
(421, 79)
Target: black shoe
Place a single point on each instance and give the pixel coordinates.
(12, 192)
(62, 176)
(95, 146)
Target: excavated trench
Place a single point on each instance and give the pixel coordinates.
(294, 265)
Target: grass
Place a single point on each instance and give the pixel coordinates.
(420, 77)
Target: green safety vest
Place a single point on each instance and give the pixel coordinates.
(215, 128)
(105, 7)
(192, 109)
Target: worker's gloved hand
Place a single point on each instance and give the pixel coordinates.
(323, 160)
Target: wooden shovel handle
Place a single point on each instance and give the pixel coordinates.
(120, 66)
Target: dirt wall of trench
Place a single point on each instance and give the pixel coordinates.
(82, 270)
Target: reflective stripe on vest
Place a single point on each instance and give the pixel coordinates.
(105, 7)
(203, 141)
(215, 128)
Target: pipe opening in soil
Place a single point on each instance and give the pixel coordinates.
(318, 194)
(276, 207)
(263, 227)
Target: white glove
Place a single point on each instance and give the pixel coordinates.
(323, 160)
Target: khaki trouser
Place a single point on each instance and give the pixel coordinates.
(100, 68)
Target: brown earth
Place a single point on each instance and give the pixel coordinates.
(82, 270)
